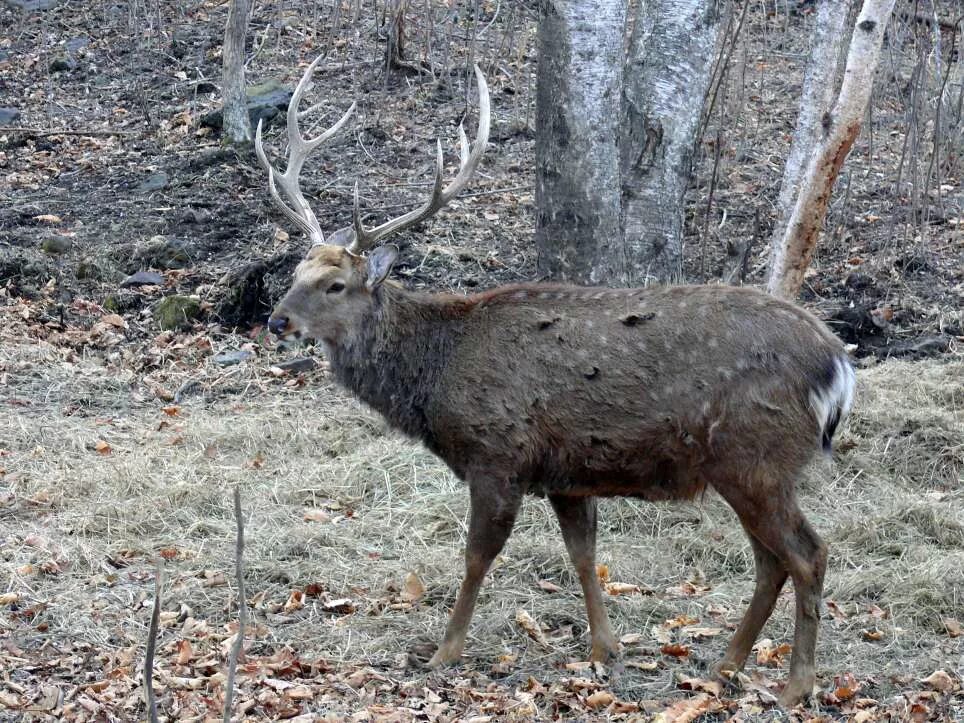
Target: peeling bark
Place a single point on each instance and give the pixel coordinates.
(668, 71)
(577, 121)
(791, 254)
(236, 124)
(820, 84)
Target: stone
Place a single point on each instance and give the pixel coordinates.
(61, 63)
(88, 269)
(266, 101)
(55, 245)
(230, 358)
(31, 6)
(9, 115)
(154, 182)
(163, 252)
(177, 312)
(298, 366)
(143, 278)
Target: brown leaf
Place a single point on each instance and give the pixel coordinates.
(622, 588)
(9, 598)
(602, 572)
(295, 601)
(547, 586)
(680, 621)
(184, 652)
(531, 627)
(769, 654)
(642, 664)
(313, 514)
(952, 626)
(102, 447)
(676, 650)
(686, 710)
(940, 680)
(414, 589)
(340, 606)
(698, 633)
(713, 687)
(115, 320)
(171, 411)
(600, 699)
(872, 634)
(48, 218)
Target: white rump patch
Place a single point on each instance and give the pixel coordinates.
(832, 404)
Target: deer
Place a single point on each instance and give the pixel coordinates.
(575, 393)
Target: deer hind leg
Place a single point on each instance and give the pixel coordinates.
(775, 521)
(491, 517)
(770, 578)
(577, 520)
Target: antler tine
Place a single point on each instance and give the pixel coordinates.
(299, 212)
(469, 159)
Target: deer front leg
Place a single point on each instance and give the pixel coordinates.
(491, 516)
(577, 520)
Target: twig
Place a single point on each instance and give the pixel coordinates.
(152, 644)
(242, 610)
(53, 132)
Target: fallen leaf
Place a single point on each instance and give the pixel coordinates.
(184, 652)
(952, 626)
(642, 665)
(680, 621)
(697, 633)
(295, 601)
(769, 654)
(686, 710)
(48, 218)
(531, 627)
(9, 598)
(940, 680)
(547, 586)
(676, 650)
(873, 634)
(313, 514)
(413, 589)
(622, 588)
(102, 447)
(602, 572)
(341, 606)
(600, 699)
(631, 639)
(171, 411)
(713, 687)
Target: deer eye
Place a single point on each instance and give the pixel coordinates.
(336, 287)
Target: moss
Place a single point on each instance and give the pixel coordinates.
(177, 312)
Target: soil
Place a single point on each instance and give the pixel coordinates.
(109, 168)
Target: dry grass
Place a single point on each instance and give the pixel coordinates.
(892, 509)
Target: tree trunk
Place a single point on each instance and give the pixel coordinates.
(577, 122)
(791, 253)
(668, 71)
(816, 98)
(235, 122)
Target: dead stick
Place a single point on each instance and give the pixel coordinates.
(152, 644)
(53, 132)
(242, 610)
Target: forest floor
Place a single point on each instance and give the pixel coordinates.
(121, 443)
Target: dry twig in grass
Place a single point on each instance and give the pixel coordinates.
(242, 610)
(149, 698)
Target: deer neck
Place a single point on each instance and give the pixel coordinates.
(393, 360)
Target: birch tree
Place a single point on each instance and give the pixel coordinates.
(577, 156)
(672, 50)
(236, 124)
(792, 251)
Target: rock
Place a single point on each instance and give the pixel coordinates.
(177, 312)
(75, 44)
(265, 101)
(143, 278)
(298, 366)
(9, 115)
(55, 245)
(154, 182)
(230, 358)
(205, 87)
(163, 252)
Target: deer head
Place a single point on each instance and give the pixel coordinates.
(335, 283)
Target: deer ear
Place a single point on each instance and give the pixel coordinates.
(380, 262)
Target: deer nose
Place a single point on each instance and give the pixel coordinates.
(278, 324)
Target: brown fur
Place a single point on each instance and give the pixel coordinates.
(576, 393)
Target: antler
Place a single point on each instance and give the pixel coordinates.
(299, 212)
(469, 160)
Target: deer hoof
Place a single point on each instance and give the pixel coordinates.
(796, 691)
(604, 652)
(444, 656)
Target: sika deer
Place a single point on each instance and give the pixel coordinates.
(575, 393)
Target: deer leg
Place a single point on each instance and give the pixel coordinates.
(770, 578)
(491, 517)
(577, 520)
(777, 523)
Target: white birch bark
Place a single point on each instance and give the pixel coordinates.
(673, 48)
(577, 122)
(816, 98)
(236, 126)
(791, 254)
